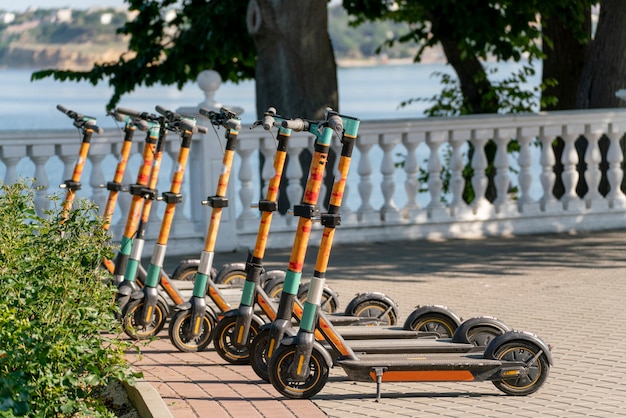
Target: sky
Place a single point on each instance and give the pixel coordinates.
(20, 6)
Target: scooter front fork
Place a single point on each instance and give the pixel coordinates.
(299, 369)
(246, 307)
(150, 296)
(198, 309)
(150, 292)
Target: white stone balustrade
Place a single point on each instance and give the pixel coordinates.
(395, 189)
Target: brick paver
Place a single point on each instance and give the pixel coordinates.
(569, 289)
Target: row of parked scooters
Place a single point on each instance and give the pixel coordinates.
(290, 333)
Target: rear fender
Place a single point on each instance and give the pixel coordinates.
(460, 335)
(227, 269)
(430, 309)
(515, 335)
(362, 297)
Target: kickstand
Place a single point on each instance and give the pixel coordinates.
(379, 379)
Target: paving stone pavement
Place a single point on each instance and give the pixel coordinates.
(568, 289)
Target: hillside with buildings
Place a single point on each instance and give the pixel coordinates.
(75, 39)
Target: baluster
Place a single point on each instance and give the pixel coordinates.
(436, 209)
(68, 165)
(96, 179)
(39, 155)
(547, 177)
(294, 174)
(365, 212)
(458, 207)
(502, 203)
(593, 198)
(11, 156)
(525, 177)
(480, 205)
(570, 175)
(614, 157)
(412, 183)
(246, 191)
(389, 210)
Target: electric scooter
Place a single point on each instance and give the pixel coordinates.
(143, 190)
(87, 125)
(115, 186)
(142, 315)
(192, 324)
(517, 362)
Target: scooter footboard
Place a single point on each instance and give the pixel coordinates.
(428, 368)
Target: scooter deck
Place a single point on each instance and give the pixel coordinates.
(393, 346)
(409, 367)
(353, 332)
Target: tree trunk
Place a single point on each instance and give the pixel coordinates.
(296, 71)
(605, 67)
(472, 76)
(564, 61)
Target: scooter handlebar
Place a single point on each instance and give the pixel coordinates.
(136, 114)
(297, 125)
(168, 113)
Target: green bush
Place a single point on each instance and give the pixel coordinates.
(57, 325)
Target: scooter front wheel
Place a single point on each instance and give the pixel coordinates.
(258, 354)
(178, 331)
(535, 373)
(225, 334)
(282, 381)
(132, 315)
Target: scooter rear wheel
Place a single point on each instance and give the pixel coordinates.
(234, 278)
(376, 309)
(274, 287)
(297, 389)
(132, 313)
(179, 326)
(434, 323)
(258, 354)
(536, 372)
(224, 336)
(329, 302)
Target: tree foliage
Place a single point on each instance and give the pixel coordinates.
(171, 42)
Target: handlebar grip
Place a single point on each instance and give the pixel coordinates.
(116, 115)
(336, 123)
(63, 109)
(94, 127)
(205, 112)
(297, 125)
(234, 124)
(267, 122)
(188, 125)
(129, 112)
(142, 125)
(172, 116)
(202, 129)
